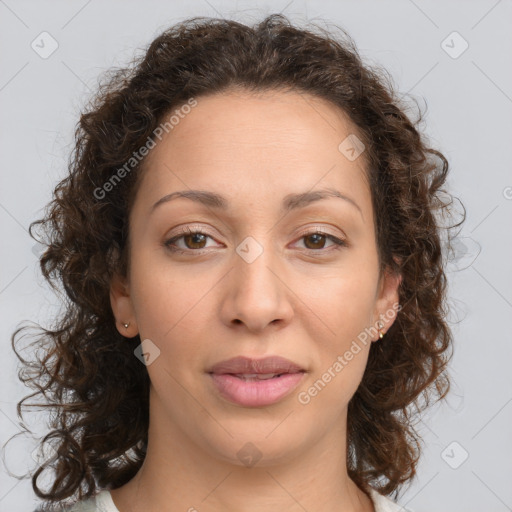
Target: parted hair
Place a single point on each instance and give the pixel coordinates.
(84, 371)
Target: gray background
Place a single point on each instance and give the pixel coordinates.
(469, 100)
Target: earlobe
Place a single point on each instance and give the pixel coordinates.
(122, 307)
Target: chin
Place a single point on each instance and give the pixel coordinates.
(256, 447)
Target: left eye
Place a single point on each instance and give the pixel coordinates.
(319, 237)
(315, 241)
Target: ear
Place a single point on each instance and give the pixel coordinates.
(387, 304)
(122, 306)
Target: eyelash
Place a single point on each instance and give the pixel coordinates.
(168, 243)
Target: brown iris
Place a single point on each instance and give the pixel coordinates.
(194, 237)
(318, 238)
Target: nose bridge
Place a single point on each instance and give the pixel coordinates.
(255, 265)
(257, 294)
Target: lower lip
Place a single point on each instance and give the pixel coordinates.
(256, 393)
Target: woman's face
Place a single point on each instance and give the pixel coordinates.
(259, 279)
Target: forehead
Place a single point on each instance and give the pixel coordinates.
(258, 147)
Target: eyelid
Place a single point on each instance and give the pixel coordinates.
(306, 231)
(320, 229)
(338, 241)
(188, 230)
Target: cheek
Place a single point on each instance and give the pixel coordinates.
(346, 307)
(165, 296)
(171, 305)
(351, 307)
(345, 300)
(343, 351)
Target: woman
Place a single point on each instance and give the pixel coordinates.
(249, 241)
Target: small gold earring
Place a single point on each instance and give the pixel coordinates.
(126, 325)
(380, 332)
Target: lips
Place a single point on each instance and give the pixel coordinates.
(256, 382)
(247, 367)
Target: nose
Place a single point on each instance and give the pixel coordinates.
(255, 293)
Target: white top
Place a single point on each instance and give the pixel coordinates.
(103, 502)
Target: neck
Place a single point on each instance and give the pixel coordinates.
(177, 474)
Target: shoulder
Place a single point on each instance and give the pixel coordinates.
(88, 505)
(384, 504)
(102, 502)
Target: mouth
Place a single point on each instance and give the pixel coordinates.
(256, 382)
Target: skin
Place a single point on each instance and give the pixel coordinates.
(303, 299)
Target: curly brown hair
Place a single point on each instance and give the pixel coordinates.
(85, 371)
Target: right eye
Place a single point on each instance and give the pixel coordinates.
(192, 239)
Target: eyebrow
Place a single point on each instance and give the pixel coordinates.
(290, 202)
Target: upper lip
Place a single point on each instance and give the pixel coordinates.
(266, 365)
